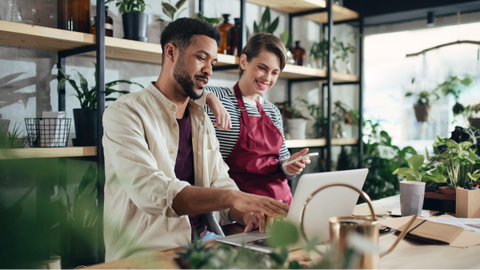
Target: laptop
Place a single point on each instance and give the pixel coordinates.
(330, 202)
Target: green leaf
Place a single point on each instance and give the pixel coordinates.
(465, 144)
(403, 171)
(272, 27)
(169, 9)
(451, 143)
(255, 28)
(265, 17)
(180, 3)
(416, 161)
(283, 233)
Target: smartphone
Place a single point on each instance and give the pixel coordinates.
(300, 158)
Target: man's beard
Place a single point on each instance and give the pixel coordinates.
(182, 77)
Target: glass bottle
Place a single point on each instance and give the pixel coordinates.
(108, 24)
(299, 54)
(223, 28)
(74, 15)
(233, 39)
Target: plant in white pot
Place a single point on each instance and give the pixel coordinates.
(86, 117)
(297, 116)
(135, 21)
(422, 106)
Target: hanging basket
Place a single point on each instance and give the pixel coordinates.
(422, 112)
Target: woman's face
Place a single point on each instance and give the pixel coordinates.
(260, 74)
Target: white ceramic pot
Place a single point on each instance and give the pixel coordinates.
(296, 128)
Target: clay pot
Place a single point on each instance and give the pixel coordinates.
(447, 190)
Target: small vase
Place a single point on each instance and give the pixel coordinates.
(299, 54)
(223, 28)
(233, 39)
(296, 128)
(290, 59)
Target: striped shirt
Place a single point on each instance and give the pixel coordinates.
(228, 139)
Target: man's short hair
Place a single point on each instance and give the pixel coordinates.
(181, 31)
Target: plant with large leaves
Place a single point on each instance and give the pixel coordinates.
(88, 96)
(173, 11)
(265, 26)
(419, 170)
(127, 6)
(461, 162)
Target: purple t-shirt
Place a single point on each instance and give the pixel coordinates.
(184, 169)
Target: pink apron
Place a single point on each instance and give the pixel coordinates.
(253, 161)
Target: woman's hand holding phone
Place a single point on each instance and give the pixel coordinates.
(296, 163)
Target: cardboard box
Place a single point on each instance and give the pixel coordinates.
(467, 203)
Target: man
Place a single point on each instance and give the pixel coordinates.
(164, 172)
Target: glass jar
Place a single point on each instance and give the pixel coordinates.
(233, 39)
(73, 15)
(223, 28)
(299, 54)
(108, 24)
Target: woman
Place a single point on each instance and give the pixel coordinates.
(254, 148)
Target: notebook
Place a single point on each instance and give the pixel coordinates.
(330, 202)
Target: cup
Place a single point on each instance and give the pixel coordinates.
(411, 197)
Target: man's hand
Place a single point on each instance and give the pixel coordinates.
(253, 221)
(253, 210)
(246, 203)
(222, 117)
(298, 166)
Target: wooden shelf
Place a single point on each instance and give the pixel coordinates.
(300, 72)
(52, 152)
(339, 13)
(46, 38)
(318, 142)
(39, 37)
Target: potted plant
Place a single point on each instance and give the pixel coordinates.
(343, 52)
(265, 26)
(11, 139)
(172, 12)
(134, 20)
(454, 86)
(319, 120)
(319, 53)
(82, 216)
(461, 163)
(296, 116)
(86, 117)
(422, 106)
(342, 115)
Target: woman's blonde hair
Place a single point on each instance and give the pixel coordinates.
(267, 42)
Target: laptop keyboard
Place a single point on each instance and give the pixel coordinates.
(259, 242)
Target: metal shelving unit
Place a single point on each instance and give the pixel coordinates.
(323, 11)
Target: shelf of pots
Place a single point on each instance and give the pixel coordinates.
(134, 20)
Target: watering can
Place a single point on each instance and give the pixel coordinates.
(343, 227)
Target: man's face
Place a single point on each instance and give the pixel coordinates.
(194, 65)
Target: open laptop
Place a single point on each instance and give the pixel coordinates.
(330, 202)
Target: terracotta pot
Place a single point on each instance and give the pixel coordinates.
(421, 112)
(447, 190)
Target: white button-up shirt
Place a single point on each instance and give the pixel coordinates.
(140, 144)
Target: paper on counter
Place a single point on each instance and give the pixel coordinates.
(468, 224)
